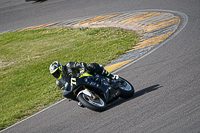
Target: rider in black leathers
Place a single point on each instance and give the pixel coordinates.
(61, 72)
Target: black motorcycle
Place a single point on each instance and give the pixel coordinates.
(96, 92)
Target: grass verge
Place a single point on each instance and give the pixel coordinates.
(26, 85)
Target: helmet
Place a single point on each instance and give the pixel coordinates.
(56, 69)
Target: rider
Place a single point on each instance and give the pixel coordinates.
(61, 72)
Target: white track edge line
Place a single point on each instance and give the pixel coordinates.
(182, 26)
(33, 115)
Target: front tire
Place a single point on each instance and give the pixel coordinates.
(97, 104)
(126, 89)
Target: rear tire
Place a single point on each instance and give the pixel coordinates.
(95, 105)
(126, 91)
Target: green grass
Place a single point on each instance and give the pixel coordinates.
(26, 85)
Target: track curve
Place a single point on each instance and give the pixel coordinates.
(166, 81)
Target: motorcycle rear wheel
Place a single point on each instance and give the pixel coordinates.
(127, 90)
(97, 104)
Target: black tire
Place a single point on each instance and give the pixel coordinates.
(128, 91)
(95, 105)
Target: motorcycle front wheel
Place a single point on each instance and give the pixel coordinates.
(126, 89)
(95, 104)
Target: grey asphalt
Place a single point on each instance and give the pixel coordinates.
(167, 81)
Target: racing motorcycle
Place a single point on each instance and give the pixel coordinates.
(96, 92)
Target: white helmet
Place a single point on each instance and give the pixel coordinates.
(56, 69)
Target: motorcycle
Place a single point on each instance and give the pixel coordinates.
(96, 92)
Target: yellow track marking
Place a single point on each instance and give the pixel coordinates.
(162, 24)
(151, 41)
(95, 19)
(38, 27)
(117, 65)
(141, 17)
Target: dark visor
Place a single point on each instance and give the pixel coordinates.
(56, 74)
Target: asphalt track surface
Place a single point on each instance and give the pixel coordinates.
(167, 81)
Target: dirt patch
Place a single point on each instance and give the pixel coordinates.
(5, 64)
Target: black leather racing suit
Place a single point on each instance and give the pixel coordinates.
(67, 69)
(92, 68)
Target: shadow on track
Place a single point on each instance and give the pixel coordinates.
(36, 1)
(137, 94)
